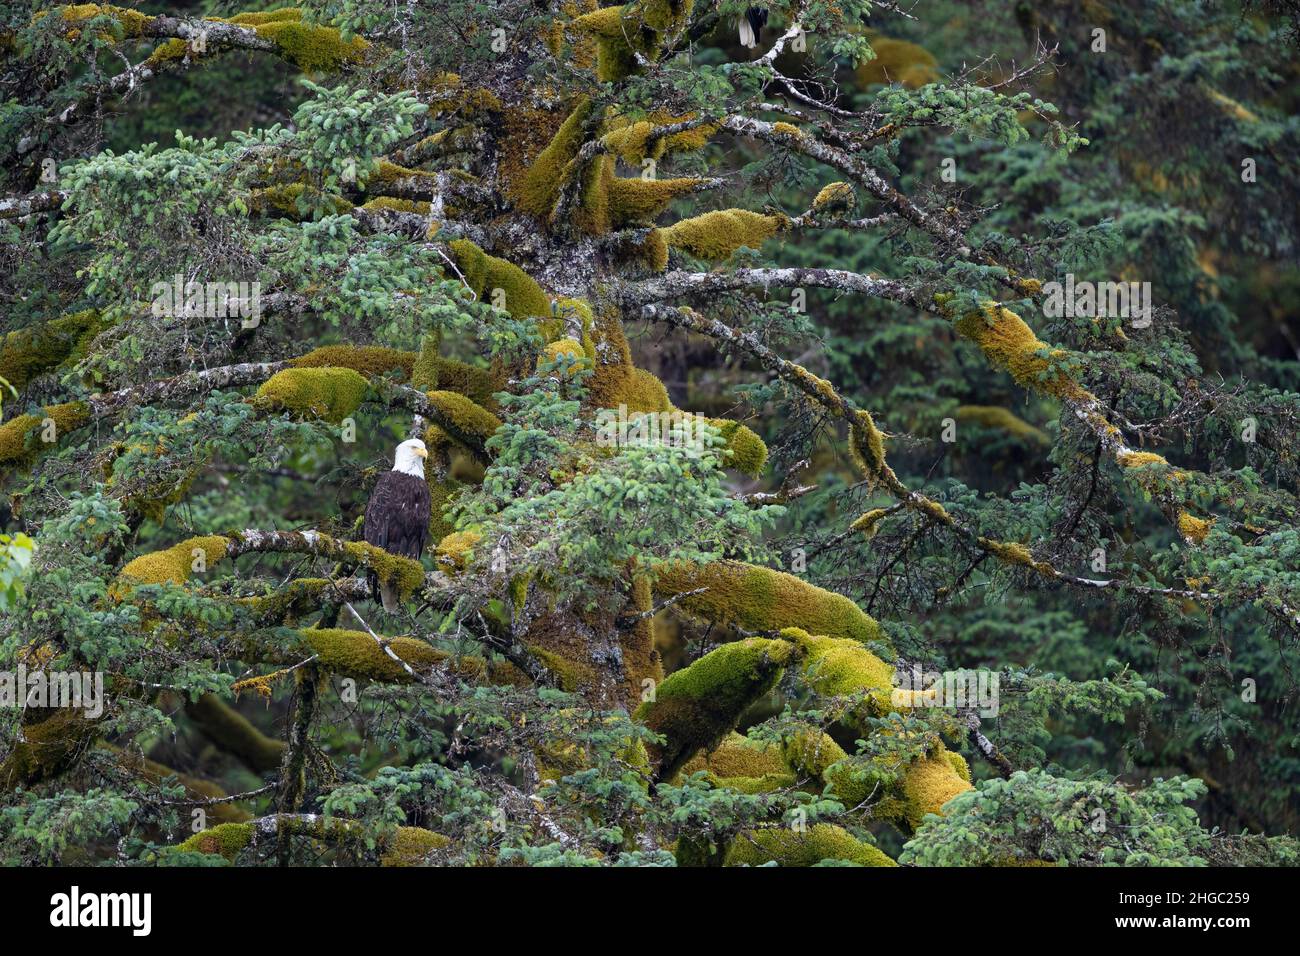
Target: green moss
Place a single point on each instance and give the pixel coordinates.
(717, 235)
(391, 204)
(369, 360)
(133, 22)
(835, 198)
(485, 273)
(760, 599)
(465, 416)
(748, 451)
(406, 575)
(331, 394)
(225, 839)
(411, 845)
(642, 26)
(898, 61)
(697, 706)
(357, 654)
(540, 186)
(788, 848)
(313, 49)
(26, 353)
(928, 784)
(21, 437)
(836, 666)
(284, 200)
(47, 749)
(168, 51)
(738, 756)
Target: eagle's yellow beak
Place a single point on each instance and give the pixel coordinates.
(423, 453)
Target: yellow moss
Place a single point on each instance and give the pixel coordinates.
(717, 235)
(28, 352)
(284, 199)
(898, 61)
(787, 129)
(1001, 419)
(1140, 459)
(172, 565)
(641, 26)
(959, 764)
(738, 756)
(258, 17)
(410, 846)
(132, 21)
(866, 523)
(1012, 346)
(1192, 528)
(654, 251)
(760, 599)
(928, 784)
(632, 143)
(404, 574)
(454, 550)
(22, 437)
(357, 654)
(173, 49)
(835, 197)
(789, 848)
(368, 360)
(331, 394)
(642, 392)
(1013, 553)
(836, 667)
(638, 201)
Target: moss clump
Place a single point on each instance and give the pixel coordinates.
(634, 142)
(867, 446)
(1014, 553)
(410, 846)
(284, 200)
(21, 438)
(898, 61)
(641, 26)
(1140, 459)
(167, 52)
(760, 599)
(928, 784)
(748, 452)
(405, 575)
(1001, 419)
(1011, 345)
(485, 274)
(26, 353)
(174, 565)
(717, 235)
(866, 523)
(225, 839)
(565, 347)
(639, 201)
(836, 667)
(835, 198)
(697, 706)
(313, 49)
(331, 394)
(739, 757)
(465, 418)
(1192, 528)
(392, 204)
(788, 848)
(455, 550)
(357, 654)
(132, 22)
(369, 360)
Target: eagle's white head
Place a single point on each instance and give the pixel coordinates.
(409, 457)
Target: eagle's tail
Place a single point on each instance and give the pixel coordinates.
(385, 594)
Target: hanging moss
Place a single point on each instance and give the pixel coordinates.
(1192, 528)
(760, 599)
(717, 235)
(834, 198)
(21, 437)
(867, 446)
(788, 848)
(697, 706)
(540, 187)
(748, 452)
(331, 394)
(26, 353)
(369, 360)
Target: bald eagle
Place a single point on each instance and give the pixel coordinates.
(397, 515)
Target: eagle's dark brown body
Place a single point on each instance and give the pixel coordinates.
(397, 520)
